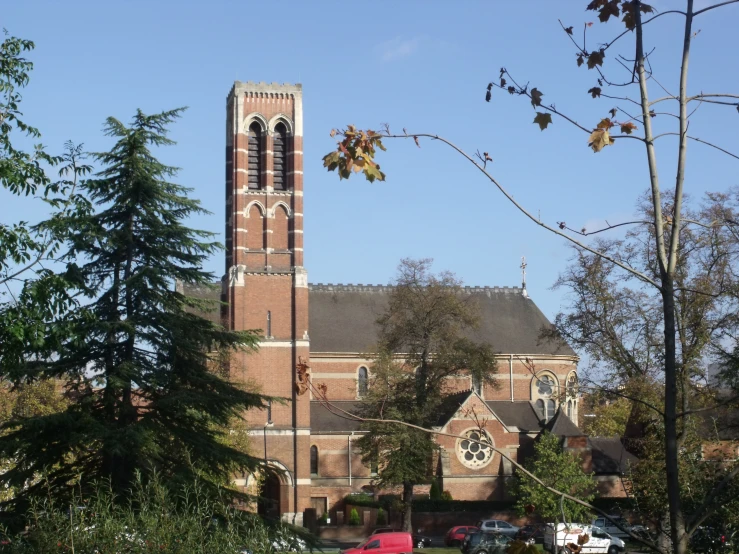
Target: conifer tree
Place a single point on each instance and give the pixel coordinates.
(134, 353)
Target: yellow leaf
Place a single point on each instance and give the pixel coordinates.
(598, 139)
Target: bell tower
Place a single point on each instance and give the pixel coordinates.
(265, 285)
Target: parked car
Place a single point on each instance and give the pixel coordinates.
(393, 542)
(615, 546)
(481, 542)
(502, 527)
(608, 526)
(708, 539)
(419, 541)
(557, 537)
(456, 535)
(533, 532)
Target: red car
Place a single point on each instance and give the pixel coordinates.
(456, 535)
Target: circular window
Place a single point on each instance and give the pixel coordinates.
(475, 451)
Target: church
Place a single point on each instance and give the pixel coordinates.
(329, 327)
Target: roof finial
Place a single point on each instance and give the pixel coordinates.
(523, 276)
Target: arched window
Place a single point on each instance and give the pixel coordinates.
(569, 409)
(314, 460)
(279, 159)
(255, 156)
(362, 383)
(546, 408)
(573, 391)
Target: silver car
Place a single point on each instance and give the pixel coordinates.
(498, 525)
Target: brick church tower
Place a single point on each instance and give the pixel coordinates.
(266, 286)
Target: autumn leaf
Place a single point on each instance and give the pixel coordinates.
(594, 92)
(333, 133)
(488, 96)
(580, 60)
(613, 111)
(627, 127)
(568, 30)
(605, 123)
(415, 138)
(536, 97)
(502, 82)
(511, 90)
(599, 139)
(596, 58)
(543, 119)
(607, 10)
(583, 539)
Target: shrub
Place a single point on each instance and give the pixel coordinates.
(446, 495)
(354, 517)
(435, 491)
(154, 519)
(323, 520)
(381, 517)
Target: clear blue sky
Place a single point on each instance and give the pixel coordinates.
(419, 65)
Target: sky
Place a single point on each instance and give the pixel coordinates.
(422, 66)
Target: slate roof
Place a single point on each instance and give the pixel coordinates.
(516, 414)
(450, 405)
(562, 426)
(610, 456)
(342, 319)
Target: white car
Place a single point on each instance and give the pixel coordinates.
(557, 537)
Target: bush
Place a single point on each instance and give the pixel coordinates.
(381, 517)
(153, 519)
(446, 495)
(323, 520)
(435, 491)
(364, 500)
(354, 517)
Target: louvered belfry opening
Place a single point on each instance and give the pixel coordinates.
(279, 158)
(255, 156)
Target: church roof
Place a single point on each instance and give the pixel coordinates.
(516, 414)
(342, 319)
(610, 456)
(562, 426)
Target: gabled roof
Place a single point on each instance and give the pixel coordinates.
(516, 414)
(610, 456)
(342, 319)
(450, 405)
(562, 426)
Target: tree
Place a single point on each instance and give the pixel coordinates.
(667, 226)
(425, 320)
(559, 469)
(133, 352)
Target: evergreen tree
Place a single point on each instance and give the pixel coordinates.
(134, 352)
(560, 470)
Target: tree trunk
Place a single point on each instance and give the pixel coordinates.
(677, 522)
(407, 507)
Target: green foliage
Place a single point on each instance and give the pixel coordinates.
(354, 517)
(133, 349)
(381, 517)
(557, 469)
(435, 490)
(611, 414)
(362, 499)
(426, 319)
(447, 496)
(150, 519)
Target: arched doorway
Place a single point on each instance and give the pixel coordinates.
(269, 497)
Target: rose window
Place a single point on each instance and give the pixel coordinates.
(475, 451)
